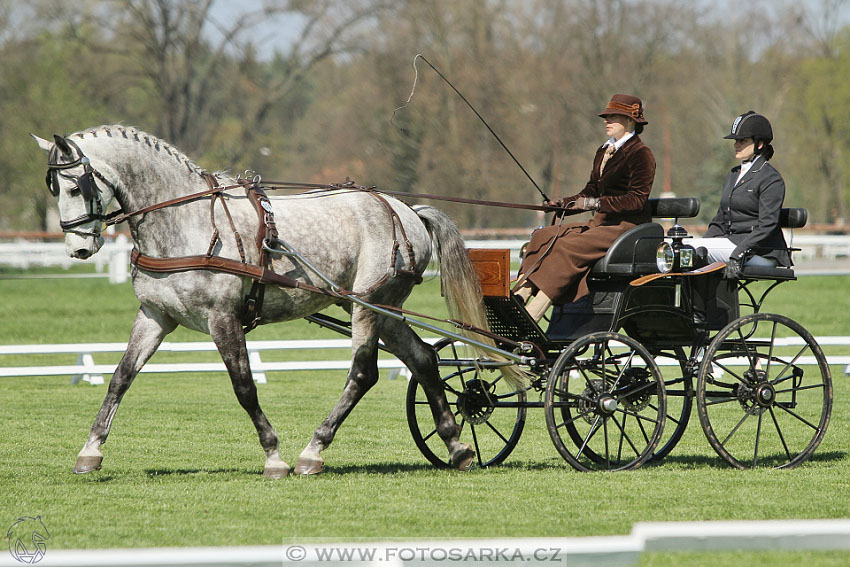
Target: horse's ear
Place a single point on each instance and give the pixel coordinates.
(62, 144)
(42, 143)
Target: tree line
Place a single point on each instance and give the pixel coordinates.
(317, 91)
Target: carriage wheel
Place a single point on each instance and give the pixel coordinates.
(680, 401)
(489, 412)
(605, 403)
(764, 392)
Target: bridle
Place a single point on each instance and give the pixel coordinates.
(85, 184)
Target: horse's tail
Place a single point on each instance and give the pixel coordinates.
(460, 284)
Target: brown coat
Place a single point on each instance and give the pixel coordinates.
(559, 256)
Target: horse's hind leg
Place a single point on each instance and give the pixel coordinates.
(362, 376)
(148, 331)
(422, 362)
(229, 338)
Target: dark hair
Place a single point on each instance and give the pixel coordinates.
(638, 128)
(766, 150)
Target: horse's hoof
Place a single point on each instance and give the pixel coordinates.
(309, 465)
(462, 460)
(87, 464)
(276, 471)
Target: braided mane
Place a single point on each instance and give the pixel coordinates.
(134, 134)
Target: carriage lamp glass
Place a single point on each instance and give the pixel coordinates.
(664, 257)
(675, 256)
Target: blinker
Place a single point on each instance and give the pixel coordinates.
(85, 183)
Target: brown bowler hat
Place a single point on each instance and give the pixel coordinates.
(625, 105)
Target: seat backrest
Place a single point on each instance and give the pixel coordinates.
(674, 207)
(633, 252)
(793, 218)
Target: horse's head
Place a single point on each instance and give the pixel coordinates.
(82, 194)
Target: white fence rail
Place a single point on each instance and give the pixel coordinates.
(778, 536)
(86, 370)
(115, 255)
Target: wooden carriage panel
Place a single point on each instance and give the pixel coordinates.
(493, 267)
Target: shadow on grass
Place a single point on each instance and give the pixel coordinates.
(686, 461)
(715, 462)
(192, 471)
(381, 468)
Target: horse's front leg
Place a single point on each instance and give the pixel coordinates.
(229, 338)
(148, 331)
(362, 376)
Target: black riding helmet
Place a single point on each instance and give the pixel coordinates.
(755, 126)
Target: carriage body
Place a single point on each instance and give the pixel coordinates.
(598, 362)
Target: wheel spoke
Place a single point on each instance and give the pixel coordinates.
(758, 438)
(636, 415)
(770, 351)
(667, 416)
(622, 371)
(729, 371)
(716, 400)
(620, 444)
(607, 449)
(817, 386)
(747, 351)
(804, 420)
(573, 420)
(782, 377)
(475, 442)
(781, 437)
(593, 429)
(735, 429)
(496, 431)
(626, 435)
(433, 431)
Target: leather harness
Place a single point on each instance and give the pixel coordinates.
(267, 233)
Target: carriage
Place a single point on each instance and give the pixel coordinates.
(617, 373)
(760, 382)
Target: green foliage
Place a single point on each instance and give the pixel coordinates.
(319, 108)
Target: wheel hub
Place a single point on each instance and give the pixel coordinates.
(758, 395)
(475, 403)
(607, 404)
(765, 395)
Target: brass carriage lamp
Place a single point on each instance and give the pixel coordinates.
(675, 256)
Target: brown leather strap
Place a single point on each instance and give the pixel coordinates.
(218, 264)
(214, 190)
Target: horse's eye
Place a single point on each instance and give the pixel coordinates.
(75, 192)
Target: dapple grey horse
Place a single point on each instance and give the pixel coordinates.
(347, 236)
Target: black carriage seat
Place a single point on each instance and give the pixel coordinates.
(633, 253)
(788, 218)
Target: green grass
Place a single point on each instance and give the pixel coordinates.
(183, 465)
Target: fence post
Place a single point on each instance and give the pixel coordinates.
(119, 261)
(85, 359)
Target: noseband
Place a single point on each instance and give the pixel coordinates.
(85, 184)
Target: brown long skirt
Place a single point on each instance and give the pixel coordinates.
(558, 258)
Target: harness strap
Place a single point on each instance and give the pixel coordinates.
(396, 224)
(219, 264)
(266, 231)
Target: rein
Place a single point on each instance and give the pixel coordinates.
(287, 185)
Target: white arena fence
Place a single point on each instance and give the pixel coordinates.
(86, 370)
(593, 551)
(114, 256)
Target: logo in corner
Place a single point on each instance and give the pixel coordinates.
(26, 539)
